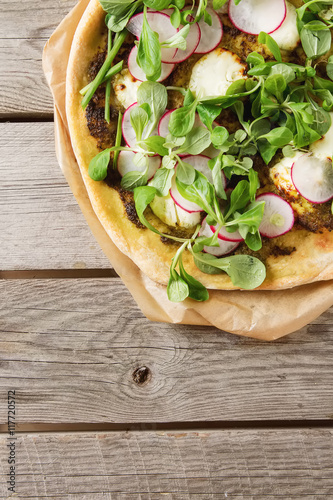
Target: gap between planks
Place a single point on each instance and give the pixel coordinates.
(91, 428)
(26, 118)
(58, 274)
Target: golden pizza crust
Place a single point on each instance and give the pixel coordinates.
(312, 260)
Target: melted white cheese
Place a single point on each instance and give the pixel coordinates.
(214, 73)
(281, 175)
(165, 209)
(125, 88)
(324, 147)
(187, 220)
(281, 172)
(287, 36)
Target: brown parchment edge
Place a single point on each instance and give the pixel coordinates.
(265, 315)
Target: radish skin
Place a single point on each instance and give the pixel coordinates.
(188, 206)
(212, 35)
(125, 164)
(160, 23)
(224, 248)
(200, 163)
(254, 16)
(313, 178)
(224, 235)
(139, 74)
(278, 216)
(126, 127)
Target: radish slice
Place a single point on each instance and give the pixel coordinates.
(278, 216)
(313, 178)
(163, 126)
(125, 164)
(224, 247)
(135, 24)
(254, 16)
(200, 163)
(192, 42)
(163, 131)
(161, 24)
(224, 235)
(139, 74)
(127, 129)
(210, 35)
(186, 205)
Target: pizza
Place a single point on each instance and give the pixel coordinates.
(204, 137)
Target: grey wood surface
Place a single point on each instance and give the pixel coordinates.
(81, 342)
(81, 355)
(243, 465)
(24, 29)
(42, 226)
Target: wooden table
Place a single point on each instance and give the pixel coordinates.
(109, 405)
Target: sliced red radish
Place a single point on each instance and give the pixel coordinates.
(188, 206)
(161, 24)
(254, 16)
(210, 35)
(313, 178)
(225, 247)
(192, 42)
(224, 235)
(125, 164)
(163, 131)
(139, 74)
(278, 216)
(127, 129)
(200, 163)
(163, 126)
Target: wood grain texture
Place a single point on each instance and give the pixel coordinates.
(241, 465)
(25, 28)
(41, 224)
(71, 349)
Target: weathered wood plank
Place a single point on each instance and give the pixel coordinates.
(32, 18)
(41, 224)
(23, 89)
(72, 348)
(240, 464)
(25, 28)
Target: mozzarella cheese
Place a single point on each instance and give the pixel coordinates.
(324, 147)
(165, 209)
(281, 175)
(287, 36)
(213, 73)
(281, 172)
(187, 220)
(125, 88)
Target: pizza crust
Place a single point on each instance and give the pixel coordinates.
(312, 260)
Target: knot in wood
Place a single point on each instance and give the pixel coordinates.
(142, 375)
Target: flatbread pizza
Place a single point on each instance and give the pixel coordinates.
(204, 137)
